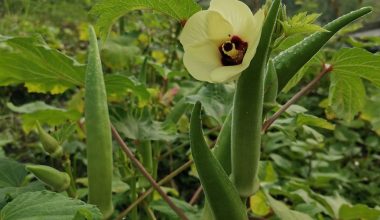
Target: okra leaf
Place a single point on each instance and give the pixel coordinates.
(301, 23)
(347, 91)
(47, 205)
(108, 11)
(284, 212)
(358, 211)
(39, 111)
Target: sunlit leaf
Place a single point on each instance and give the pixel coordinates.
(359, 211)
(284, 212)
(39, 111)
(108, 11)
(39, 67)
(311, 120)
(259, 205)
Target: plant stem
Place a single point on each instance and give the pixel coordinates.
(150, 190)
(196, 195)
(72, 190)
(145, 173)
(326, 69)
(134, 215)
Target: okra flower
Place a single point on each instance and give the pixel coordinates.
(220, 42)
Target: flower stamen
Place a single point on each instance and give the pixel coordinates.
(233, 51)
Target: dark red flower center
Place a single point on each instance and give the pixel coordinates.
(232, 51)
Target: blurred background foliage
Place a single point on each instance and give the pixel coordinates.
(311, 163)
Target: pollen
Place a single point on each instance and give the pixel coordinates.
(232, 51)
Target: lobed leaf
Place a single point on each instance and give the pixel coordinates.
(41, 68)
(347, 91)
(46, 205)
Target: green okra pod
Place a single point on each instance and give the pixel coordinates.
(57, 180)
(247, 112)
(98, 131)
(271, 87)
(145, 150)
(222, 149)
(49, 143)
(221, 194)
(294, 58)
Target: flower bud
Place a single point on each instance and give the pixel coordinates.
(49, 143)
(56, 179)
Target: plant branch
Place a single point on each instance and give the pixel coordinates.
(305, 90)
(145, 173)
(150, 190)
(196, 195)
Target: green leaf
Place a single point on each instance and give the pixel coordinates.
(12, 176)
(108, 11)
(301, 23)
(216, 100)
(161, 206)
(370, 113)
(311, 120)
(119, 85)
(46, 205)
(145, 128)
(39, 111)
(12, 173)
(347, 92)
(41, 68)
(359, 211)
(267, 174)
(284, 212)
(117, 55)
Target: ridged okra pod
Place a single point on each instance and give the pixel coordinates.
(221, 194)
(98, 132)
(294, 58)
(247, 112)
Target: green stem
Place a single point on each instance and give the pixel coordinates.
(145, 149)
(150, 190)
(247, 113)
(72, 190)
(134, 214)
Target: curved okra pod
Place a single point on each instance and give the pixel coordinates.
(291, 60)
(247, 112)
(57, 180)
(98, 131)
(221, 194)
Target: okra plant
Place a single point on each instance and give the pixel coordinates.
(120, 127)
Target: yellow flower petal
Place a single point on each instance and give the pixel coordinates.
(204, 26)
(235, 12)
(253, 34)
(201, 60)
(226, 73)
